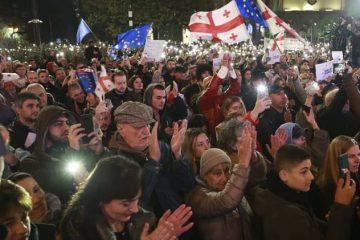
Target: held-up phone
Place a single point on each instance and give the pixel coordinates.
(262, 91)
(86, 121)
(339, 68)
(343, 165)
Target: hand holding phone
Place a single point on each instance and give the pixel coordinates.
(262, 91)
(86, 121)
(343, 165)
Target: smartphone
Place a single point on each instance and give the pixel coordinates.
(339, 68)
(86, 121)
(262, 91)
(343, 165)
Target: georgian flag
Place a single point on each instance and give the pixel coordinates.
(276, 24)
(224, 24)
(104, 84)
(278, 42)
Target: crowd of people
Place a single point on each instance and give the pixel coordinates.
(180, 149)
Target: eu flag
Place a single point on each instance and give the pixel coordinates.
(249, 9)
(133, 38)
(82, 31)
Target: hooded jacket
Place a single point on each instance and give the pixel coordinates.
(48, 166)
(171, 113)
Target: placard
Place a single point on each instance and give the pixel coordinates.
(324, 70)
(337, 56)
(153, 50)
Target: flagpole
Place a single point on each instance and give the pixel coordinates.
(277, 45)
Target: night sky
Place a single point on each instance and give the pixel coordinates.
(60, 14)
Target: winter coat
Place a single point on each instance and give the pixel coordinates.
(48, 165)
(77, 225)
(19, 136)
(283, 214)
(224, 214)
(173, 111)
(165, 181)
(209, 103)
(336, 122)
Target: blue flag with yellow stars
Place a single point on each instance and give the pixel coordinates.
(249, 9)
(133, 38)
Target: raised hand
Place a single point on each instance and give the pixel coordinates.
(153, 143)
(276, 141)
(179, 218)
(260, 106)
(75, 136)
(310, 118)
(178, 138)
(244, 148)
(345, 190)
(95, 143)
(164, 231)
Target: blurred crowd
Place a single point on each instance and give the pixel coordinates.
(192, 147)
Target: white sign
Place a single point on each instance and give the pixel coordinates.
(274, 56)
(9, 77)
(337, 56)
(324, 70)
(293, 44)
(153, 50)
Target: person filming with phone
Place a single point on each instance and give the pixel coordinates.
(342, 157)
(61, 141)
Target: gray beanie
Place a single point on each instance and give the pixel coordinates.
(210, 158)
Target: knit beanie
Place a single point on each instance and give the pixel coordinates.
(210, 158)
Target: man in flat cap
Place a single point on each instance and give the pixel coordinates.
(167, 174)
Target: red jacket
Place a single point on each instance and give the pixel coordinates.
(210, 102)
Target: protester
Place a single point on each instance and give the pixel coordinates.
(167, 173)
(98, 211)
(167, 112)
(195, 144)
(15, 206)
(331, 172)
(283, 208)
(46, 207)
(22, 129)
(218, 200)
(59, 142)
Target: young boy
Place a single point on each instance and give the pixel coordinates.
(283, 207)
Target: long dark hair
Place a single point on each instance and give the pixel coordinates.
(113, 178)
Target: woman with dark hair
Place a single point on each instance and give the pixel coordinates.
(136, 84)
(106, 207)
(246, 85)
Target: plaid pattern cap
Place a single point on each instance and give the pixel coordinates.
(135, 113)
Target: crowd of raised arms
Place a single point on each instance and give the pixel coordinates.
(179, 149)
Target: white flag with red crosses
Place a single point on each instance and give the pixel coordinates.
(276, 24)
(224, 24)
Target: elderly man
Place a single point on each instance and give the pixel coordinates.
(167, 174)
